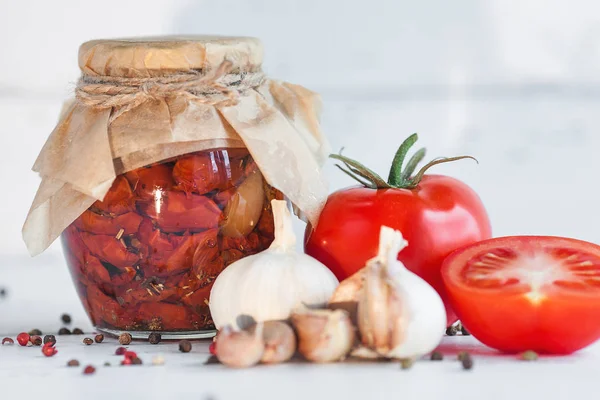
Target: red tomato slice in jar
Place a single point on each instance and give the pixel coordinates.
(91, 222)
(119, 199)
(149, 180)
(178, 211)
(521, 293)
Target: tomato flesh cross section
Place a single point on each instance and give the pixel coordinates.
(534, 272)
(522, 293)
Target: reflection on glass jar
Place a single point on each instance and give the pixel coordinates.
(144, 259)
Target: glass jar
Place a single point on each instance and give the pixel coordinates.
(144, 259)
(155, 176)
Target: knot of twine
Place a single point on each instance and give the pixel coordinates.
(217, 87)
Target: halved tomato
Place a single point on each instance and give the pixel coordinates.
(522, 293)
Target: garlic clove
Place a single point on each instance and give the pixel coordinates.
(364, 352)
(347, 294)
(324, 335)
(240, 349)
(280, 342)
(245, 207)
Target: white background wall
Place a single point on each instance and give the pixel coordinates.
(516, 84)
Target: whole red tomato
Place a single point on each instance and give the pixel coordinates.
(436, 215)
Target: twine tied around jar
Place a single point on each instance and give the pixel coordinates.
(217, 87)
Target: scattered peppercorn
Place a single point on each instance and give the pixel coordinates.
(125, 338)
(50, 339)
(49, 350)
(36, 340)
(107, 364)
(89, 370)
(77, 331)
(73, 363)
(213, 348)
(2, 292)
(88, 341)
(64, 331)
(130, 354)
(136, 361)
(451, 330)
(35, 332)
(120, 351)
(23, 338)
(465, 331)
(154, 338)
(212, 360)
(8, 340)
(406, 363)
(65, 318)
(529, 355)
(467, 362)
(437, 356)
(462, 355)
(99, 338)
(185, 346)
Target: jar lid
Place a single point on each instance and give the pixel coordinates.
(159, 56)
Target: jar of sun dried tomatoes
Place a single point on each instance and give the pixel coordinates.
(161, 171)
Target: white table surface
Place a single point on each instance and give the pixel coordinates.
(31, 302)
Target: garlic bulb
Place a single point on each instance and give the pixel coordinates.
(399, 314)
(269, 285)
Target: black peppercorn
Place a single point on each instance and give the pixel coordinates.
(154, 338)
(50, 339)
(65, 318)
(99, 338)
(107, 364)
(125, 338)
(136, 361)
(185, 346)
(462, 355)
(64, 331)
(77, 331)
(35, 332)
(467, 362)
(36, 340)
(437, 356)
(465, 331)
(451, 331)
(88, 341)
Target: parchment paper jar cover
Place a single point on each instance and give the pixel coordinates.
(147, 101)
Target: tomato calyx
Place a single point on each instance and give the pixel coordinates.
(398, 178)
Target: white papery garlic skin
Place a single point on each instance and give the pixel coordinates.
(399, 314)
(271, 284)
